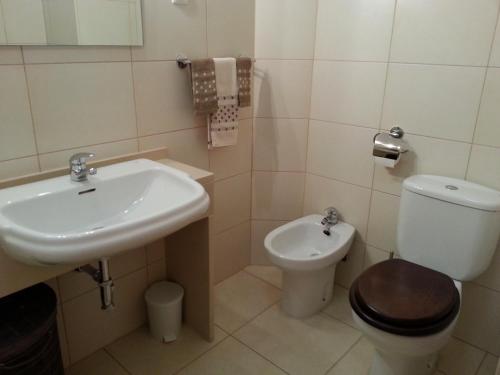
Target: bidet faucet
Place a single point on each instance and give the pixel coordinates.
(78, 166)
(331, 219)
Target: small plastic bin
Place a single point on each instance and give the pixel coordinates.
(164, 303)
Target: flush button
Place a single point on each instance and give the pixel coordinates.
(451, 187)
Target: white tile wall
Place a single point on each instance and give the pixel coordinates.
(277, 195)
(230, 26)
(17, 138)
(285, 29)
(454, 32)
(354, 30)
(282, 88)
(163, 98)
(280, 144)
(495, 51)
(348, 92)
(81, 104)
(232, 202)
(171, 29)
(341, 152)
(68, 54)
(15, 167)
(383, 221)
(187, 146)
(438, 101)
(11, 55)
(483, 166)
(60, 159)
(487, 129)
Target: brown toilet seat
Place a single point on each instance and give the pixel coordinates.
(405, 298)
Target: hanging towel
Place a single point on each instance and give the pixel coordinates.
(244, 72)
(204, 86)
(223, 124)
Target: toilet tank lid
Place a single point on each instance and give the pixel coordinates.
(455, 191)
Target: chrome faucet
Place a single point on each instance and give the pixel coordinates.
(78, 166)
(331, 219)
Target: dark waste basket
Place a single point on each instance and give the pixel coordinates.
(29, 343)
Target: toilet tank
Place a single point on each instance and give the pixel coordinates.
(448, 225)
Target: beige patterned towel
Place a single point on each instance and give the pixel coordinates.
(244, 72)
(204, 86)
(223, 124)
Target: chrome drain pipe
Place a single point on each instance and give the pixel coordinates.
(103, 279)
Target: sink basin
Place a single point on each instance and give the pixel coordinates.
(126, 205)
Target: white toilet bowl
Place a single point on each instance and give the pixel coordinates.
(397, 354)
(308, 258)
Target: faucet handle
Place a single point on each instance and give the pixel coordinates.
(331, 211)
(80, 158)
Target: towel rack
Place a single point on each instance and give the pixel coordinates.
(183, 62)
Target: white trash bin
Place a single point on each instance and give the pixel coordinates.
(164, 302)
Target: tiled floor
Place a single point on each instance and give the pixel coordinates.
(254, 337)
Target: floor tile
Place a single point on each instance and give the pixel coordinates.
(459, 358)
(489, 366)
(241, 298)
(141, 354)
(308, 346)
(357, 361)
(340, 308)
(271, 274)
(99, 363)
(231, 357)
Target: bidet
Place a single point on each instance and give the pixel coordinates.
(308, 259)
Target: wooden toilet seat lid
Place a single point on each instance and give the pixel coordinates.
(405, 298)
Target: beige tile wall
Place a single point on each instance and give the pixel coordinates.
(429, 67)
(116, 100)
(284, 48)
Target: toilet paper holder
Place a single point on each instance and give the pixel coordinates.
(390, 145)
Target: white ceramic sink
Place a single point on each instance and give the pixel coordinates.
(126, 205)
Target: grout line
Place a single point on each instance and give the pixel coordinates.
(474, 282)
(233, 176)
(481, 364)
(342, 181)
(91, 145)
(262, 279)
(19, 158)
(201, 355)
(259, 354)
(482, 90)
(475, 346)
(230, 228)
(28, 94)
(384, 94)
(345, 354)
(136, 120)
(122, 366)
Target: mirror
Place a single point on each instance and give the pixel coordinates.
(71, 22)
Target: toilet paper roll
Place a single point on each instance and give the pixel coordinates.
(388, 163)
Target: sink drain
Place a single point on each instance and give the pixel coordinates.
(314, 254)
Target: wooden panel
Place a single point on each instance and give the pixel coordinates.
(189, 263)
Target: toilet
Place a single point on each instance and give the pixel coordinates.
(308, 258)
(408, 307)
